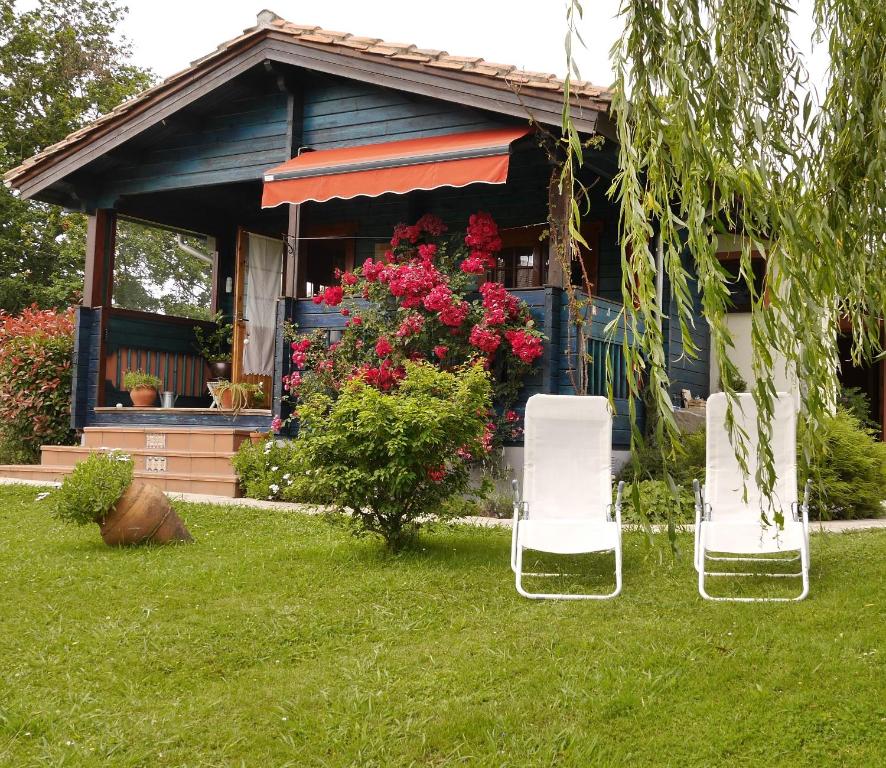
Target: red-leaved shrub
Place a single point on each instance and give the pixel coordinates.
(35, 382)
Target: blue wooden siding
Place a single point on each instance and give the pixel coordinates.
(340, 113)
(600, 345)
(237, 141)
(84, 371)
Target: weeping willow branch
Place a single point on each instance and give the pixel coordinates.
(716, 139)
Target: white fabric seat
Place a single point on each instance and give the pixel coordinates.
(568, 537)
(567, 486)
(731, 507)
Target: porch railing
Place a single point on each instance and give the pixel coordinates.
(157, 344)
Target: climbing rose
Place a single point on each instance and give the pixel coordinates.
(332, 296)
(431, 224)
(478, 263)
(276, 424)
(383, 347)
(404, 232)
(455, 314)
(526, 346)
(413, 281)
(411, 325)
(427, 251)
(484, 339)
(438, 299)
(349, 278)
(499, 304)
(440, 351)
(482, 234)
(371, 270)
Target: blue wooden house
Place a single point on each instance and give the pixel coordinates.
(372, 134)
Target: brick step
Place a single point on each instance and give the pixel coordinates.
(155, 462)
(214, 485)
(193, 439)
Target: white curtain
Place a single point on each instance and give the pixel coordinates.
(264, 272)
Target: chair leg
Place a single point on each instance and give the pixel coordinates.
(518, 571)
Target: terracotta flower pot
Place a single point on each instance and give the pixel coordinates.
(142, 515)
(257, 437)
(227, 401)
(143, 397)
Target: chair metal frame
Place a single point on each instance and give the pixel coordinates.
(704, 514)
(521, 513)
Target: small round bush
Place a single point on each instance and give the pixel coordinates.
(388, 461)
(275, 470)
(89, 493)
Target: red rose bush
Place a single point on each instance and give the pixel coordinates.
(421, 302)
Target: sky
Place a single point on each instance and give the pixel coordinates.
(166, 35)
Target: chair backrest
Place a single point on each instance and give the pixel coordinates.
(567, 456)
(724, 481)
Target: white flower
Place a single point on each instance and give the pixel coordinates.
(286, 476)
(41, 496)
(274, 488)
(274, 469)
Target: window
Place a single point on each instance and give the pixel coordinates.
(517, 266)
(521, 260)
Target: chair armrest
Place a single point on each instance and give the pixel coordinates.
(616, 508)
(804, 507)
(696, 492)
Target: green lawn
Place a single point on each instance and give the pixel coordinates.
(275, 640)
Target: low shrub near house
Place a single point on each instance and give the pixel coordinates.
(388, 461)
(849, 481)
(658, 504)
(275, 470)
(93, 488)
(35, 382)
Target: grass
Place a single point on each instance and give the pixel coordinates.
(276, 640)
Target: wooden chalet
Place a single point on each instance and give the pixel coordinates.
(371, 134)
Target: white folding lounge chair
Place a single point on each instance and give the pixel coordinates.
(729, 527)
(567, 486)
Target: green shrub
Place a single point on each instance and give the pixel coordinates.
(275, 470)
(689, 465)
(35, 383)
(657, 504)
(849, 481)
(388, 461)
(140, 380)
(93, 488)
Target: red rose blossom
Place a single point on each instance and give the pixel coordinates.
(383, 347)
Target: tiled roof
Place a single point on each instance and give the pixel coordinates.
(538, 83)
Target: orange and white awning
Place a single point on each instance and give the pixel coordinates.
(454, 160)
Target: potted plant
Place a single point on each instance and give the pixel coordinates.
(100, 490)
(215, 346)
(143, 388)
(237, 395)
